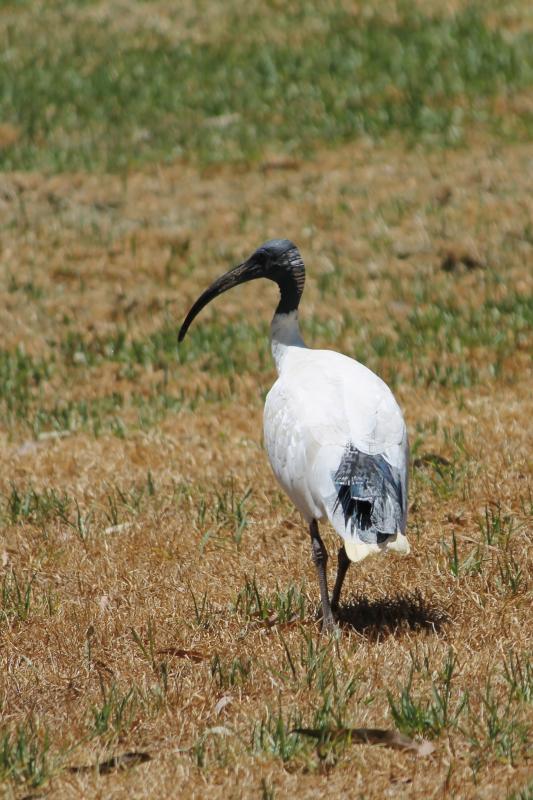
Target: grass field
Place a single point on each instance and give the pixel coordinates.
(157, 595)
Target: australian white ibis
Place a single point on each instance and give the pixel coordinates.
(335, 436)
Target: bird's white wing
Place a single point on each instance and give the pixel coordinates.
(287, 447)
(337, 399)
(346, 439)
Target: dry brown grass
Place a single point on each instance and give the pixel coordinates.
(132, 254)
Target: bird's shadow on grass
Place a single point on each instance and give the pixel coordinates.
(391, 616)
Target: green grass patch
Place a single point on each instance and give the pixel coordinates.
(86, 94)
(285, 605)
(494, 716)
(227, 347)
(236, 347)
(438, 344)
(525, 794)
(440, 340)
(24, 756)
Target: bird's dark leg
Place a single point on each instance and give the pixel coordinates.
(343, 563)
(320, 558)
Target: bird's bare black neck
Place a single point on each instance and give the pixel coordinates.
(291, 281)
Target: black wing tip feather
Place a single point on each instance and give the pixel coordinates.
(369, 491)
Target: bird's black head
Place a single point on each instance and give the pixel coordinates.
(274, 249)
(278, 260)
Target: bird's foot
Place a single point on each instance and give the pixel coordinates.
(330, 625)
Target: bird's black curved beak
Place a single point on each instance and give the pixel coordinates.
(247, 271)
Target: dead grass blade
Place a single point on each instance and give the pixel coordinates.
(178, 652)
(431, 460)
(379, 736)
(274, 621)
(120, 762)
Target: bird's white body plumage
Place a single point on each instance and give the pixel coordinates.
(322, 403)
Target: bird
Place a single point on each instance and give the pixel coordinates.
(335, 436)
